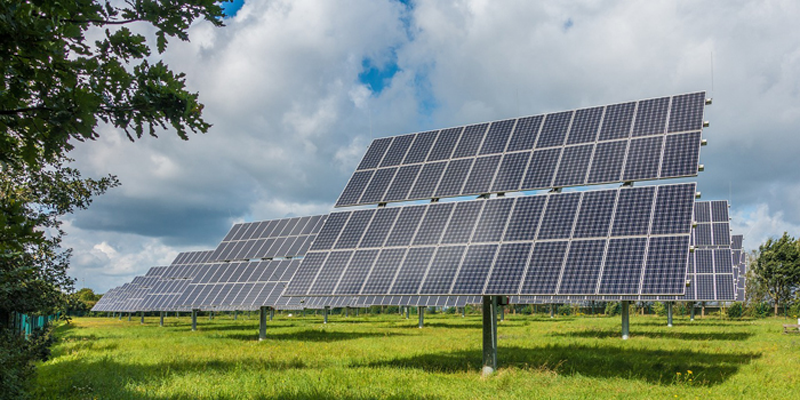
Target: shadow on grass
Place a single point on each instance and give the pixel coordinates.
(652, 366)
(686, 322)
(616, 333)
(312, 335)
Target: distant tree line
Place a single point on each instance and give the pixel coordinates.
(773, 277)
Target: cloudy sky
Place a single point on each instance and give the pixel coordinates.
(296, 90)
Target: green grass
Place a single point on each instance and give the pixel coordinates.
(389, 357)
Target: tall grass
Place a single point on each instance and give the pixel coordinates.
(387, 356)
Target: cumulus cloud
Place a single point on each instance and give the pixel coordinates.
(283, 86)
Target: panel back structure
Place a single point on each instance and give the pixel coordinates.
(288, 237)
(625, 241)
(636, 141)
(740, 266)
(174, 280)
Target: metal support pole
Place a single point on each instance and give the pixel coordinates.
(357, 312)
(235, 314)
(552, 306)
(489, 335)
(669, 314)
(262, 323)
(346, 312)
(210, 315)
(141, 314)
(624, 309)
(194, 320)
(406, 312)
(325, 315)
(502, 313)
(161, 319)
(421, 312)
(129, 317)
(691, 311)
(120, 316)
(463, 311)
(271, 313)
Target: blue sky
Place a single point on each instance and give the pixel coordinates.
(297, 89)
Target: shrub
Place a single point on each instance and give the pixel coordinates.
(564, 309)
(735, 310)
(612, 308)
(659, 309)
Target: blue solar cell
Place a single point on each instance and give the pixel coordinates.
(607, 162)
(421, 147)
(512, 169)
(433, 223)
(681, 153)
(585, 126)
(401, 185)
(673, 210)
(497, 138)
(725, 287)
(702, 235)
(574, 166)
(410, 274)
(617, 121)
(378, 185)
(622, 270)
(541, 169)
(374, 153)
(379, 227)
(330, 272)
(736, 241)
(651, 117)
(719, 211)
(702, 211)
(355, 187)
(554, 131)
(454, 177)
(492, 222)
(686, 113)
(427, 180)
(666, 265)
(704, 286)
(462, 223)
(582, 267)
(470, 141)
(508, 268)
(634, 207)
(352, 232)
(525, 218)
(481, 176)
(547, 260)
(330, 231)
(559, 216)
(525, 133)
(442, 270)
(305, 273)
(644, 156)
(445, 143)
(380, 277)
(472, 275)
(594, 217)
(722, 261)
(397, 151)
(406, 226)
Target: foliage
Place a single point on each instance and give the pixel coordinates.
(388, 357)
(564, 309)
(613, 308)
(82, 301)
(659, 309)
(16, 367)
(735, 310)
(777, 269)
(58, 86)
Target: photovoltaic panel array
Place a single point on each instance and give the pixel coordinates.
(289, 237)
(193, 257)
(106, 302)
(239, 285)
(620, 241)
(411, 301)
(128, 297)
(173, 282)
(740, 266)
(641, 140)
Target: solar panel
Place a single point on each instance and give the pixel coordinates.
(264, 239)
(551, 260)
(643, 140)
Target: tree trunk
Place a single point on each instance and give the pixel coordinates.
(776, 308)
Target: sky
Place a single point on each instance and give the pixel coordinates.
(297, 89)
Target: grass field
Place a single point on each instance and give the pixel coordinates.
(387, 356)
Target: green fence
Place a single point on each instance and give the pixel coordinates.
(26, 324)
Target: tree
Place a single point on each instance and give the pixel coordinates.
(777, 269)
(57, 87)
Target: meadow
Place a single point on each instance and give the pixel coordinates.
(388, 357)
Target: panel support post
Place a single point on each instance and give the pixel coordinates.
(210, 315)
(463, 311)
(262, 323)
(406, 312)
(271, 313)
(357, 311)
(129, 317)
(552, 307)
(346, 312)
(421, 313)
(235, 314)
(194, 320)
(691, 311)
(161, 318)
(624, 310)
(489, 335)
(120, 316)
(502, 312)
(669, 314)
(325, 315)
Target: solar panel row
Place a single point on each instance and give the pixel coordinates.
(623, 142)
(617, 241)
(289, 237)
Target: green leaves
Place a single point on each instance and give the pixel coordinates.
(777, 268)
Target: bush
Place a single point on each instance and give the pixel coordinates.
(17, 353)
(659, 309)
(735, 310)
(612, 308)
(564, 309)
(527, 310)
(451, 310)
